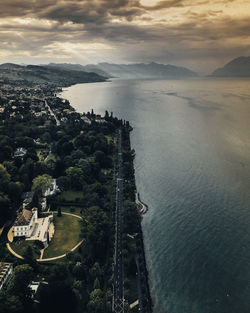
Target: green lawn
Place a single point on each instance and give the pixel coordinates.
(72, 209)
(66, 236)
(20, 246)
(71, 196)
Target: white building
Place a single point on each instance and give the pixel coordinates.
(53, 189)
(34, 285)
(31, 227)
(25, 223)
(20, 152)
(6, 270)
(86, 119)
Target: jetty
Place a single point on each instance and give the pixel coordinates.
(142, 207)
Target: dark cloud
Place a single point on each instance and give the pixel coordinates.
(165, 4)
(128, 27)
(88, 11)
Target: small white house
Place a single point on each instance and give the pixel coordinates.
(53, 189)
(20, 152)
(86, 119)
(34, 285)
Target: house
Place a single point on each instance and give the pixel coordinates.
(6, 271)
(25, 223)
(53, 189)
(86, 119)
(100, 120)
(43, 203)
(20, 152)
(34, 285)
(28, 225)
(27, 198)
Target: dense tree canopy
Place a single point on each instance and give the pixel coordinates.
(41, 183)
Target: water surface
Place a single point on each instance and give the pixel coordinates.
(192, 142)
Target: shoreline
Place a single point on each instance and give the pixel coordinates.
(145, 300)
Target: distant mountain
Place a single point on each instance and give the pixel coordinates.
(10, 66)
(79, 67)
(139, 70)
(151, 70)
(239, 67)
(46, 74)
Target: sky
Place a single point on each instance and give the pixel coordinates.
(199, 34)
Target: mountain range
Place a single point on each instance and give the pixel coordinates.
(239, 67)
(137, 70)
(45, 74)
(65, 74)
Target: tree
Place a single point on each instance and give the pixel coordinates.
(95, 270)
(10, 304)
(39, 244)
(15, 190)
(51, 163)
(46, 137)
(4, 208)
(10, 167)
(22, 276)
(67, 148)
(41, 183)
(58, 296)
(78, 271)
(106, 115)
(78, 287)
(96, 283)
(4, 179)
(75, 174)
(59, 212)
(63, 182)
(59, 168)
(97, 302)
(96, 231)
(29, 255)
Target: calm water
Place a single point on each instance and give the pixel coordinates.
(192, 142)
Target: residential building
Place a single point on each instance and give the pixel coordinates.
(20, 152)
(53, 189)
(25, 223)
(31, 227)
(6, 270)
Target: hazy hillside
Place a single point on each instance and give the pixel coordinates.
(79, 67)
(131, 70)
(153, 69)
(239, 67)
(43, 74)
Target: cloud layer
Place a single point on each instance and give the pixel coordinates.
(200, 35)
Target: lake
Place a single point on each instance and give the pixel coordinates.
(192, 143)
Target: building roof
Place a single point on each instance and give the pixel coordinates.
(27, 195)
(3, 269)
(23, 218)
(20, 151)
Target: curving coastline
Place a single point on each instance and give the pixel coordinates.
(144, 297)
